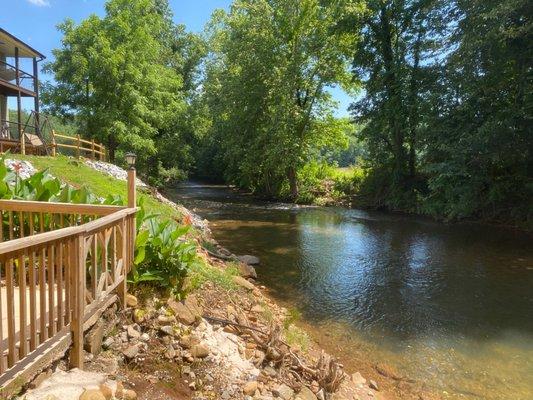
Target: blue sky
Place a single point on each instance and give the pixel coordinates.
(34, 21)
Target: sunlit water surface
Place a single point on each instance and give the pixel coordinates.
(450, 305)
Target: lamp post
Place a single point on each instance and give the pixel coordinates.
(132, 203)
(132, 195)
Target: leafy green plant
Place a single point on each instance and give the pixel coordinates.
(42, 186)
(163, 254)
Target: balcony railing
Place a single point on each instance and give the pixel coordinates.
(9, 73)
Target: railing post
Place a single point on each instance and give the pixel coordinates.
(78, 146)
(54, 144)
(77, 302)
(92, 150)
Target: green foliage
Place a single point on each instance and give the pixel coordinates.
(202, 272)
(266, 89)
(126, 78)
(42, 186)
(163, 255)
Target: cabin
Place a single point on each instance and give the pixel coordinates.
(19, 78)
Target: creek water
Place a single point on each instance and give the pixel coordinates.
(448, 305)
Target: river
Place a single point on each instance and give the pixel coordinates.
(450, 305)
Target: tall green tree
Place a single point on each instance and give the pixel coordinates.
(113, 74)
(266, 87)
(479, 155)
(397, 61)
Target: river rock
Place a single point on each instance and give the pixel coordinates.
(92, 394)
(358, 379)
(239, 280)
(131, 351)
(305, 394)
(199, 350)
(283, 391)
(247, 271)
(250, 260)
(131, 300)
(187, 311)
(250, 388)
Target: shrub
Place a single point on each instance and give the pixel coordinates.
(163, 255)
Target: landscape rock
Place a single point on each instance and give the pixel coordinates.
(106, 391)
(305, 394)
(167, 330)
(132, 332)
(187, 311)
(199, 350)
(92, 394)
(129, 394)
(239, 280)
(358, 379)
(131, 300)
(250, 388)
(68, 385)
(247, 271)
(249, 260)
(131, 351)
(283, 391)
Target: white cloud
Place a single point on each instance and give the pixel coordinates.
(40, 3)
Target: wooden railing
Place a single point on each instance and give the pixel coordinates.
(79, 146)
(59, 263)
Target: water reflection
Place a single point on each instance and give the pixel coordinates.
(452, 304)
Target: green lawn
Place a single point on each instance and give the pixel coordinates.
(78, 174)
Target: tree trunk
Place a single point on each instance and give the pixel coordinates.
(394, 101)
(112, 147)
(293, 182)
(413, 100)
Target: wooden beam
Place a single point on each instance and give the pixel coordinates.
(58, 208)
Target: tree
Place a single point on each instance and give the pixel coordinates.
(479, 154)
(271, 63)
(112, 73)
(397, 61)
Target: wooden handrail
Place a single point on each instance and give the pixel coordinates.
(38, 239)
(58, 208)
(104, 222)
(12, 246)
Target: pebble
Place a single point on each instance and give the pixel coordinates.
(250, 388)
(167, 330)
(199, 351)
(131, 351)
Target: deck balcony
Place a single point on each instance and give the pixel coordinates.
(13, 79)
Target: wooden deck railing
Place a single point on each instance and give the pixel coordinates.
(59, 263)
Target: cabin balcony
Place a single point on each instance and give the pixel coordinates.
(13, 80)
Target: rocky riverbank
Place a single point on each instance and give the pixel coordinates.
(224, 340)
(218, 343)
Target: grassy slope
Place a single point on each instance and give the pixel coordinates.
(78, 174)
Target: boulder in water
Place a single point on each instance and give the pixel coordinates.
(250, 260)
